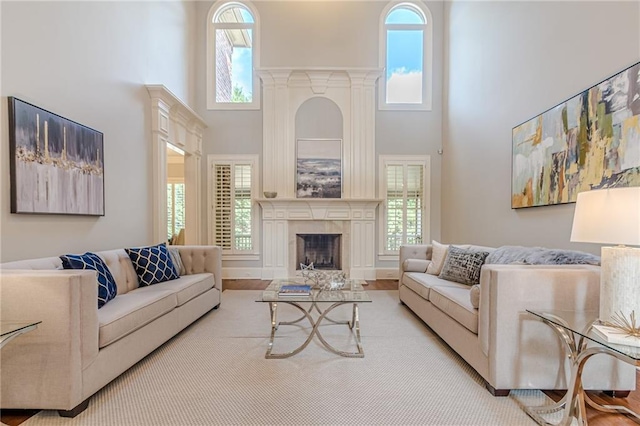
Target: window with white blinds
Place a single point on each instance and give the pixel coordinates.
(404, 187)
(233, 213)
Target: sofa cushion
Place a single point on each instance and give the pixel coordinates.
(437, 257)
(421, 283)
(152, 264)
(133, 310)
(463, 265)
(107, 288)
(454, 301)
(189, 286)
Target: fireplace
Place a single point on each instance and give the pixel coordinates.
(286, 220)
(323, 250)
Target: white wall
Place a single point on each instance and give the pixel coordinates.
(507, 62)
(326, 34)
(88, 61)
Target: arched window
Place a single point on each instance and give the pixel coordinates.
(232, 56)
(406, 55)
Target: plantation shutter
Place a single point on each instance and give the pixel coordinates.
(404, 204)
(242, 207)
(222, 207)
(395, 206)
(414, 206)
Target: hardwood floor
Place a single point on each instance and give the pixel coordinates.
(596, 418)
(243, 284)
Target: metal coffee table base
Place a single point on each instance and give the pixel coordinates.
(354, 325)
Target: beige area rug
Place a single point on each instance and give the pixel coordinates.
(215, 372)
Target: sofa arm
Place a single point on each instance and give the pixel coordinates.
(520, 348)
(43, 368)
(199, 259)
(414, 251)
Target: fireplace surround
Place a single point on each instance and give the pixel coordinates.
(283, 219)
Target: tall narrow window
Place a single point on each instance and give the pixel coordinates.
(404, 186)
(233, 214)
(405, 53)
(175, 208)
(232, 57)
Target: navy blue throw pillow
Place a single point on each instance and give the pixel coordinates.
(107, 288)
(152, 264)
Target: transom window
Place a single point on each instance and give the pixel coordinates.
(405, 53)
(232, 57)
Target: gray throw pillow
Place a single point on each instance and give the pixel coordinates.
(463, 266)
(174, 252)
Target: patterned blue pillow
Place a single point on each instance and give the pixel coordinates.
(107, 288)
(152, 264)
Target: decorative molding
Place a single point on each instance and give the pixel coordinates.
(174, 122)
(353, 91)
(318, 208)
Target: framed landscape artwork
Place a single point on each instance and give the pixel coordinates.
(591, 141)
(319, 168)
(56, 164)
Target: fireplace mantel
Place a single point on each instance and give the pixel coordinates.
(318, 208)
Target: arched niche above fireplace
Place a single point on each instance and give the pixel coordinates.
(319, 118)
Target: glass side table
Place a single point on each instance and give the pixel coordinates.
(575, 329)
(12, 329)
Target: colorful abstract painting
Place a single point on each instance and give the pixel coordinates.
(591, 141)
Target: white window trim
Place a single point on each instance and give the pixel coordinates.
(383, 160)
(427, 58)
(212, 104)
(255, 172)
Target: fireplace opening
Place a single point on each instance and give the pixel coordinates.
(324, 250)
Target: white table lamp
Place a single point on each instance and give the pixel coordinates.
(612, 216)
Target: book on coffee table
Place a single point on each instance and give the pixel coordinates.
(295, 290)
(615, 336)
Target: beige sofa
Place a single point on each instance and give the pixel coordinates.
(78, 348)
(507, 346)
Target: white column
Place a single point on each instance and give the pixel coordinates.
(278, 151)
(363, 166)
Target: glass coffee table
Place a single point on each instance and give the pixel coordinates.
(575, 329)
(12, 329)
(351, 293)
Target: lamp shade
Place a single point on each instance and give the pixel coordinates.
(607, 216)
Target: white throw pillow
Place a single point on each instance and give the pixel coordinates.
(438, 255)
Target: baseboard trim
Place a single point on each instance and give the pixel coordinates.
(387, 274)
(241, 273)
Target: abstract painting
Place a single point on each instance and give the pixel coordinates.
(56, 164)
(591, 141)
(319, 168)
